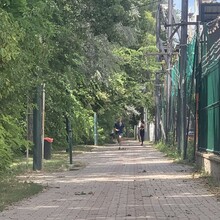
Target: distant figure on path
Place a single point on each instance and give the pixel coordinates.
(142, 131)
(119, 128)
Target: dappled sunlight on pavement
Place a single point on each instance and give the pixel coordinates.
(137, 182)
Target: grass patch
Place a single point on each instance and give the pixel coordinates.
(13, 190)
(58, 162)
(170, 151)
(82, 148)
(60, 159)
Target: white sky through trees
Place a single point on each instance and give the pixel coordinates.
(177, 4)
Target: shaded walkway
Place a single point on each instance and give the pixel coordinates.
(136, 183)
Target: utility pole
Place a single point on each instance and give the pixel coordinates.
(183, 57)
(169, 60)
(157, 81)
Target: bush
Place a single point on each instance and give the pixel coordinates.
(11, 141)
(172, 151)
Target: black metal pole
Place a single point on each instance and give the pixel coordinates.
(37, 130)
(169, 59)
(183, 59)
(157, 116)
(157, 99)
(69, 138)
(70, 143)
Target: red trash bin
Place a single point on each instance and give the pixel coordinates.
(47, 147)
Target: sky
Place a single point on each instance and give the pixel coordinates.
(177, 4)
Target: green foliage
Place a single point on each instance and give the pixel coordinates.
(10, 34)
(5, 154)
(103, 16)
(90, 54)
(170, 149)
(11, 191)
(11, 140)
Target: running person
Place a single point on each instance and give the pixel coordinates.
(119, 128)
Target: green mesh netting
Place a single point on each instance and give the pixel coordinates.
(175, 74)
(209, 92)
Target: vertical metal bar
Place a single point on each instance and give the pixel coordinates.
(146, 124)
(95, 129)
(178, 120)
(157, 99)
(169, 58)
(27, 119)
(197, 69)
(37, 129)
(69, 138)
(43, 117)
(70, 141)
(183, 58)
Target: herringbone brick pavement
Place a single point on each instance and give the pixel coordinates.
(137, 182)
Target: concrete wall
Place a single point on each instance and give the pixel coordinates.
(210, 164)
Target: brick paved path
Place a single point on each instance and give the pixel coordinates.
(136, 183)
